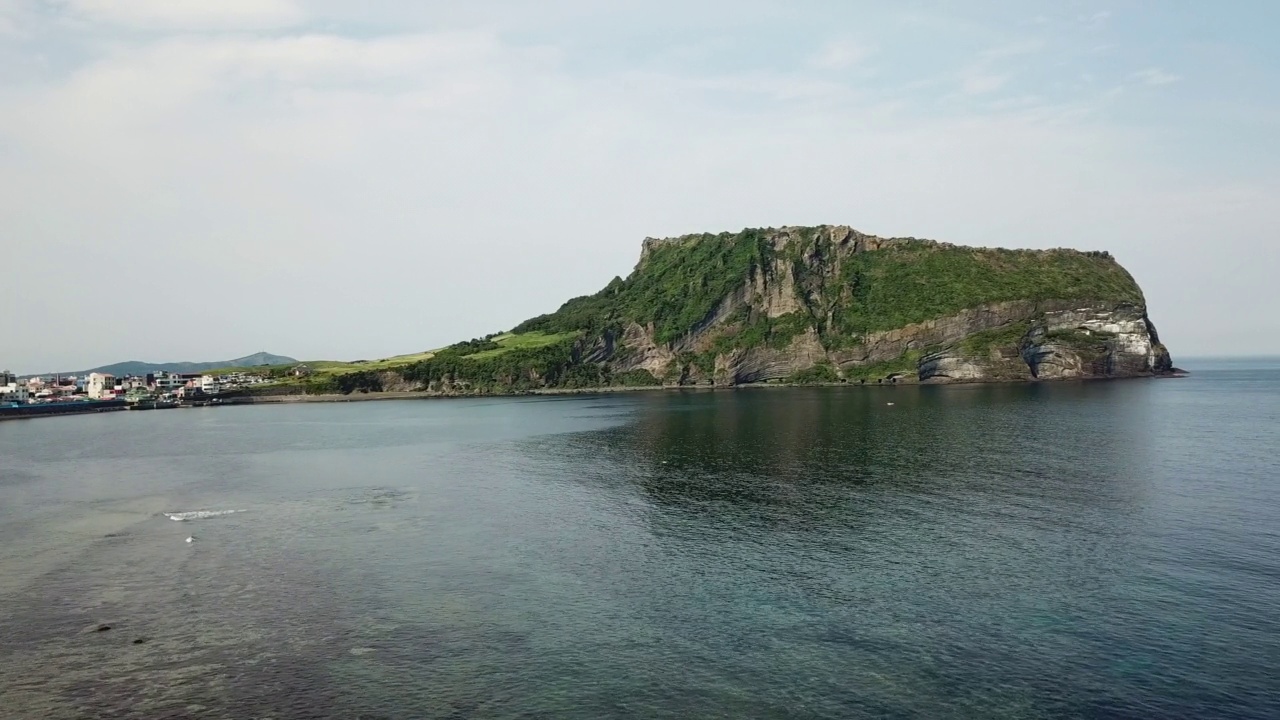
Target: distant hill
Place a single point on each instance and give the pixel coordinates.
(137, 367)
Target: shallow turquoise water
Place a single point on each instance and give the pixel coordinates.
(1104, 550)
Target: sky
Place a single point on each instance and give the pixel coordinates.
(195, 180)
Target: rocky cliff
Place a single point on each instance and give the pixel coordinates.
(818, 304)
(832, 304)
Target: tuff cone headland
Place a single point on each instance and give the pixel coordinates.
(808, 305)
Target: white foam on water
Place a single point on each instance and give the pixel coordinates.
(199, 514)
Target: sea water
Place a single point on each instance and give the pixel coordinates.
(1100, 549)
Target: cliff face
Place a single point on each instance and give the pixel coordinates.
(809, 305)
(833, 304)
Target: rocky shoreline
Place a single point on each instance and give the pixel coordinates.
(430, 395)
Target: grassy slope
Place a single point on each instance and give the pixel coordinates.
(521, 341)
(682, 281)
(331, 367)
(899, 286)
(499, 360)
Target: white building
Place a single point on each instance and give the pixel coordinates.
(210, 385)
(14, 392)
(100, 385)
(168, 382)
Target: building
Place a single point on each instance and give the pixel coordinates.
(209, 385)
(7, 378)
(238, 380)
(168, 382)
(101, 386)
(14, 392)
(49, 392)
(190, 391)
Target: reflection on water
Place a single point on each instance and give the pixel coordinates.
(1096, 550)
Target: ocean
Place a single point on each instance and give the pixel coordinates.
(1068, 550)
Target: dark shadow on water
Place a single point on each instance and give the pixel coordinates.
(763, 447)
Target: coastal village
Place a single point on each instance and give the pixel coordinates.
(102, 391)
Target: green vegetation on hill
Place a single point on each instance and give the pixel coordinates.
(676, 288)
(820, 373)
(745, 329)
(517, 362)
(904, 364)
(1008, 336)
(285, 369)
(906, 284)
(770, 287)
(324, 367)
(510, 342)
(848, 294)
(499, 363)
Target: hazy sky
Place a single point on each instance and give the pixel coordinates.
(197, 180)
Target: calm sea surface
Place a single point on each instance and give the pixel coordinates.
(1096, 550)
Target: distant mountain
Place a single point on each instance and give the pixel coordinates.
(137, 367)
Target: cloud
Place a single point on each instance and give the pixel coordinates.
(226, 122)
(189, 14)
(1011, 50)
(985, 74)
(12, 17)
(368, 184)
(1154, 76)
(840, 55)
(1098, 18)
(1024, 101)
(981, 83)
